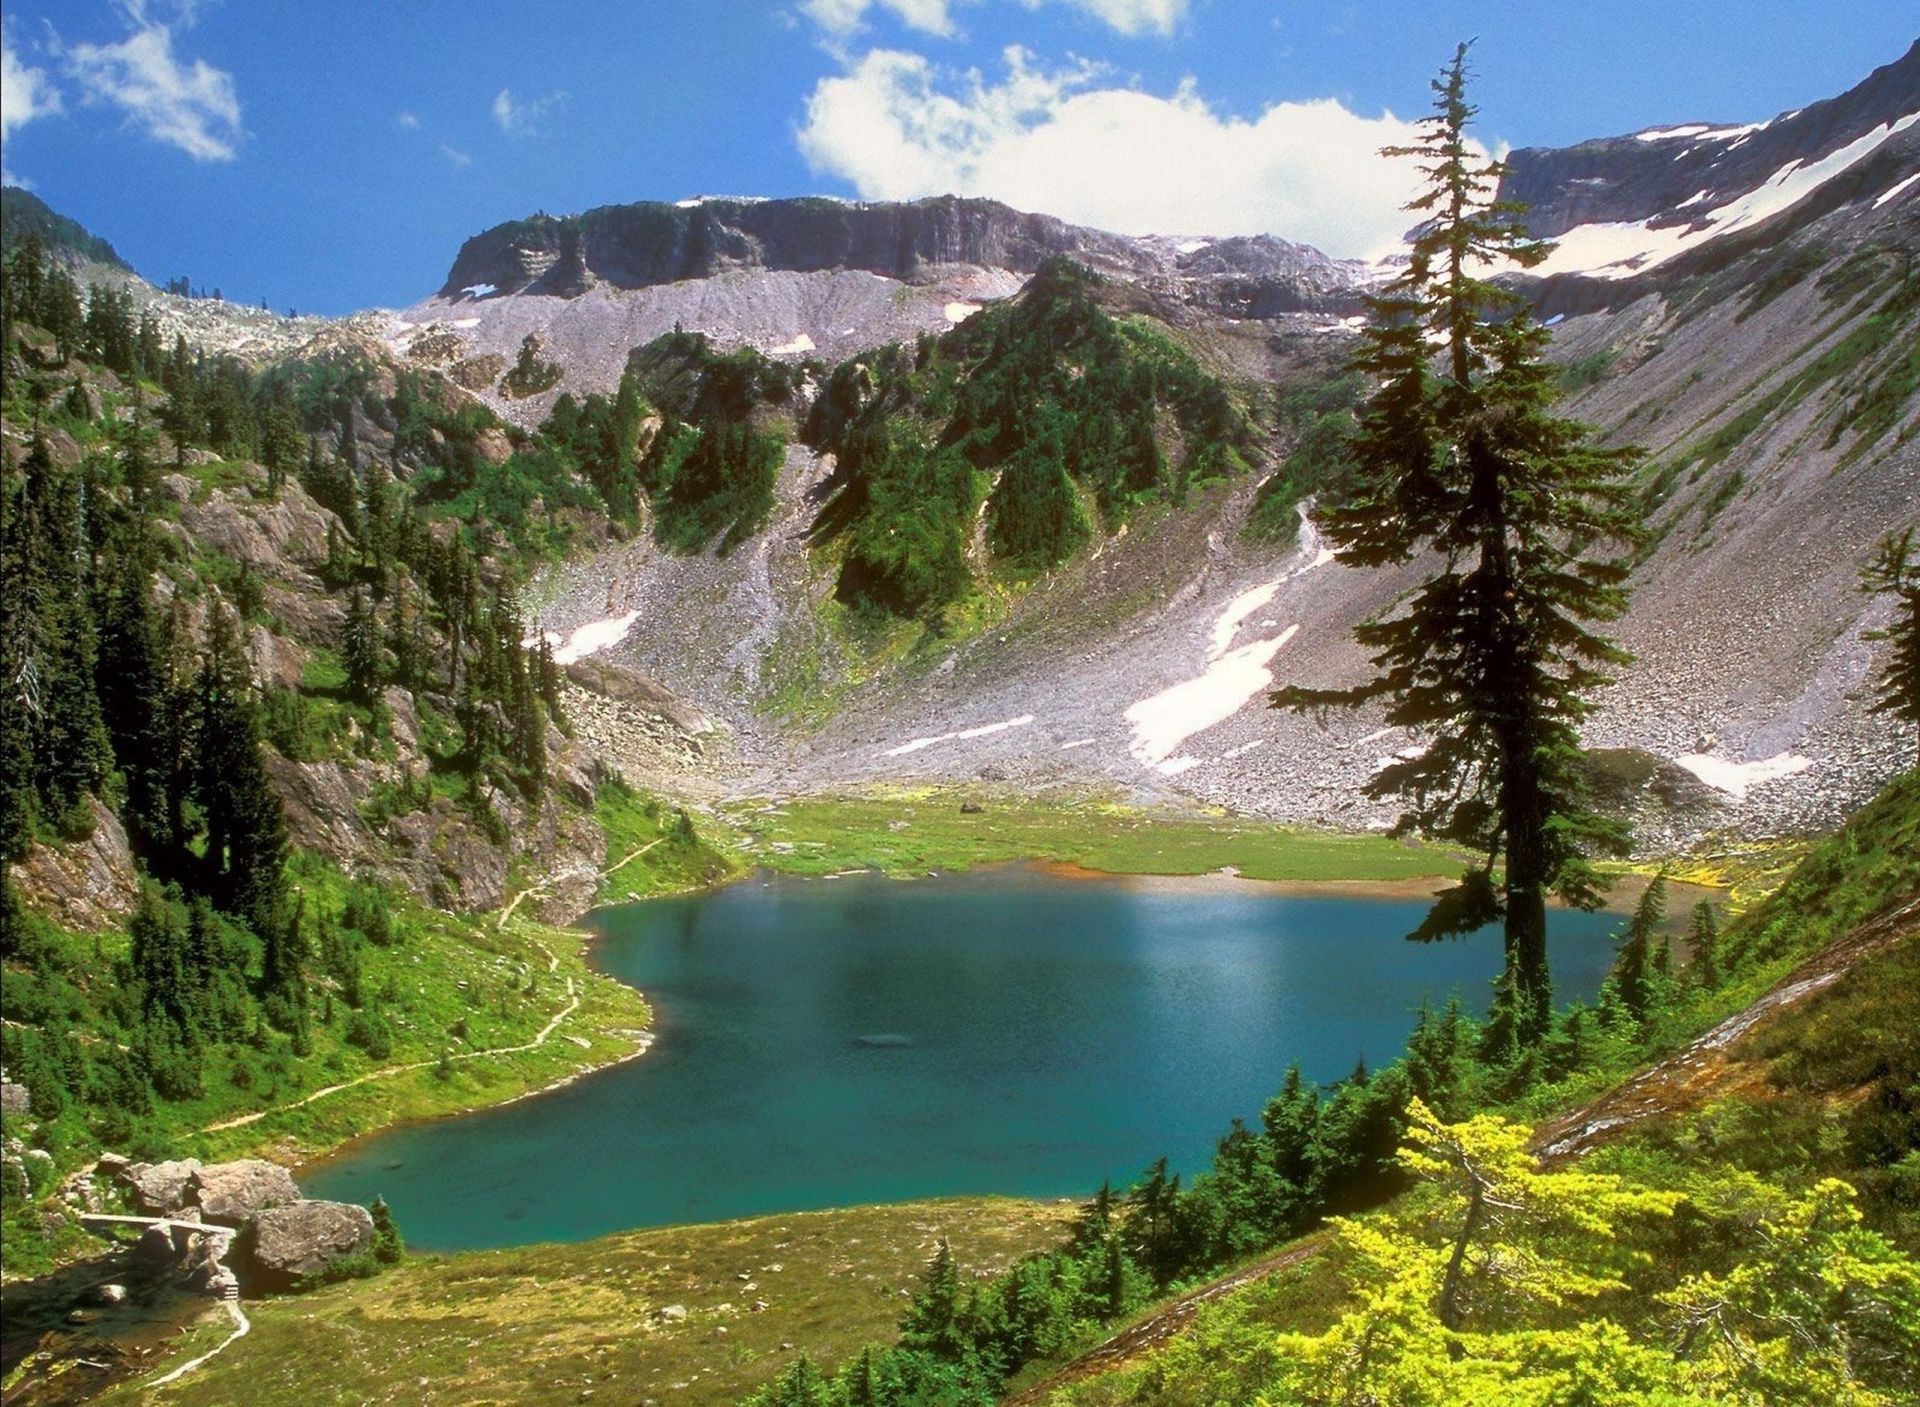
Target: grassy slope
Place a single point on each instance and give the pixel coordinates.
(915, 831)
(1825, 1088)
(546, 1324)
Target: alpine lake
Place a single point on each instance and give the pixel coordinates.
(835, 1041)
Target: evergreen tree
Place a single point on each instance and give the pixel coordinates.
(1635, 968)
(246, 834)
(360, 650)
(1894, 570)
(1703, 936)
(1494, 658)
(932, 1322)
(388, 1246)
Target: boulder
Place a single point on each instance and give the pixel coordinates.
(230, 1193)
(284, 1245)
(161, 1189)
(15, 1101)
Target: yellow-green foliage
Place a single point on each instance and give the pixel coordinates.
(1502, 1283)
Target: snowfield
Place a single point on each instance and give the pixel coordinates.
(1623, 249)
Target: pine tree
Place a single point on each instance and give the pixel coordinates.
(388, 1247)
(1894, 570)
(1703, 936)
(246, 834)
(1494, 658)
(1636, 969)
(360, 650)
(932, 1320)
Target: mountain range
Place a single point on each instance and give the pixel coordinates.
(1738, 299)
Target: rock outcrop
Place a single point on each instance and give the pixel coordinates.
(284, 1245)
(251, 1206)
(88, 885)
(162, 1189)
(231, 1194)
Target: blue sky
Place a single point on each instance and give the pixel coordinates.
(331, 156)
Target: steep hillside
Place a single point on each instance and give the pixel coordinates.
(1766, 366)
(1805, 1079)
(275, 736)
(22, 213)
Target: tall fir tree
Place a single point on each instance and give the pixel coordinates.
(1703, 937)
(360, 650)
(1894, 570)
(1494, 659)
(246, 834)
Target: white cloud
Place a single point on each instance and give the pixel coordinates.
(1130, 16)
(192, 106)
(408, 120)
(841, 18)
(515, 116)
(897, 127)
(25, 92)
(454, 156)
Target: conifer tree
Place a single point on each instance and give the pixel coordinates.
(388, 1246)
(1493, 661)
(1636, 969)
(931, 1322)
(360, 650)
(1703, 936)
(246, 834)
(1894, 570)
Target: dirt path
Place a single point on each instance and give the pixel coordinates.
(1688, 1079)
(388, 1072)
(545, 884)
(242, 1326)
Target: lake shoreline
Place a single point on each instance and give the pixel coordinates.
(1620, 899)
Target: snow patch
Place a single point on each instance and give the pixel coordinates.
(1890, 193)
(1735, 778)
(799, 342)
(1236, 613)
(984, 730)
(1621, 249)
(479, 290)
(1192, 246)
(1174, 766)
(589, 639)
(1077, 742)
(960, 312)
(1167, 719)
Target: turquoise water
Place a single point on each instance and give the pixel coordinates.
(830, 1042)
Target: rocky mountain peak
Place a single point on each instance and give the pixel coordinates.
(1623, 206)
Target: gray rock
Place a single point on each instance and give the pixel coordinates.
(15, 1102)
(161, 1189)
(113, 1294)
(231, 1193)
(86, 884)
(286, 1244)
